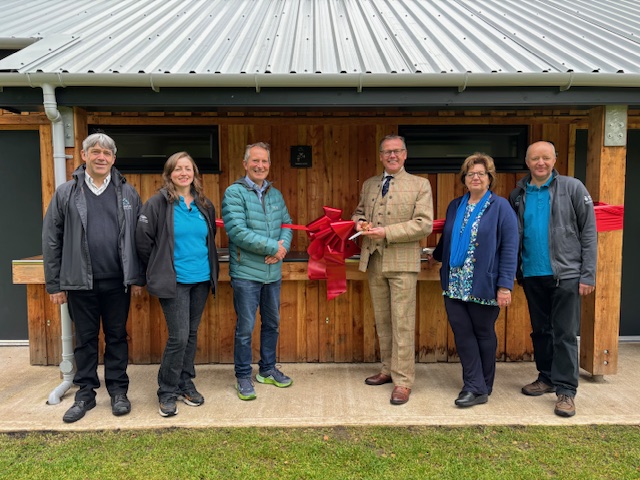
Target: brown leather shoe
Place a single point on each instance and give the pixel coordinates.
(537, 388)
(400, 395)
(565, 406)
(378, 379)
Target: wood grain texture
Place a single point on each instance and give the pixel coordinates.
(600, 323)
(517, 329)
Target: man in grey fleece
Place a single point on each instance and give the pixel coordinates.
(558, 255)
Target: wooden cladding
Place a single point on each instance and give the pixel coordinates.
(311, 329)
(345, 154)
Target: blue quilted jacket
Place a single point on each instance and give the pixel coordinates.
(254, 229)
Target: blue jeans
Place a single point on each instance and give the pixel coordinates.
(183, 314)
(247, 296)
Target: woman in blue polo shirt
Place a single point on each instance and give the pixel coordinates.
(175, 238)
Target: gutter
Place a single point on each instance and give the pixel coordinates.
(359, 81)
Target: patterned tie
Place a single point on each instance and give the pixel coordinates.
(385, 185)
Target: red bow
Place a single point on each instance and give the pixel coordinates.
(328, 250)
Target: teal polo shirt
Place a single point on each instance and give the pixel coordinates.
(535, 241)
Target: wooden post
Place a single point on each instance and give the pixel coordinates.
(605, 181)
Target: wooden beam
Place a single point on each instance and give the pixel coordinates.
(47, 171)
(606, 167)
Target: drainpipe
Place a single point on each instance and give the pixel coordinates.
(60, 170)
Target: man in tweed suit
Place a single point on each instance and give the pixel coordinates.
(393, 215)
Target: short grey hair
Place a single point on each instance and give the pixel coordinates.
(258, 144)
(393, 137)
(102, 139)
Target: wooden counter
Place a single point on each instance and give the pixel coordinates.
(311, 328)
(30, 271)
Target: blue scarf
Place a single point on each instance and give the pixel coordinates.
(460, 238)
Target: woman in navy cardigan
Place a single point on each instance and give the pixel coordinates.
(478, 250)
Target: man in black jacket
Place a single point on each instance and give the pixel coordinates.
(90, 262)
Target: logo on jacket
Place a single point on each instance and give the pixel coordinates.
(125, 204)
(587, 199)
(143, 219)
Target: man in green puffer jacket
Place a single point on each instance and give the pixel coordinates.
(253, 212)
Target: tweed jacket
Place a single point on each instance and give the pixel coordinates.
(406, 213)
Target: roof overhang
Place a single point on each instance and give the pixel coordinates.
(142, 92)
(278, 98)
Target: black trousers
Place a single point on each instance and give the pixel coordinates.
(109, 302)
(474, 332)
(554, 308)
(183, 314)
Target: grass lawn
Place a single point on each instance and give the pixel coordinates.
(575, 452)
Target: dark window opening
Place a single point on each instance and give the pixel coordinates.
(442, 149)
(145, 148)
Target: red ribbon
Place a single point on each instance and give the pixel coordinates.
(438, 226)
(608, 217)
(328, 249)
(330, 244)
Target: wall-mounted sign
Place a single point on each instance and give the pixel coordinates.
(301, 156)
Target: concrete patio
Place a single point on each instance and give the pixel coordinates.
(326, 394)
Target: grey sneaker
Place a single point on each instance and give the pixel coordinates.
(191, 397)
(565, 406)
(168, 408)
(274, 377)
(245, 389)
(537, 388)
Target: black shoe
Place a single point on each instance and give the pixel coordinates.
(468, 399)
(77, 410)
(191, 397)
(120, 404)
(168, 408)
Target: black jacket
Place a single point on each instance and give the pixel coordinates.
(67, 264)
(155, 241)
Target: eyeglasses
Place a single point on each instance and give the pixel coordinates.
(480, 175)
(388, 153)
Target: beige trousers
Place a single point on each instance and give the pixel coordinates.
(393, 296)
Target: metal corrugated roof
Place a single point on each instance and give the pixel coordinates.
(387, 40)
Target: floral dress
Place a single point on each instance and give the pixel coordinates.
(461, 278)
